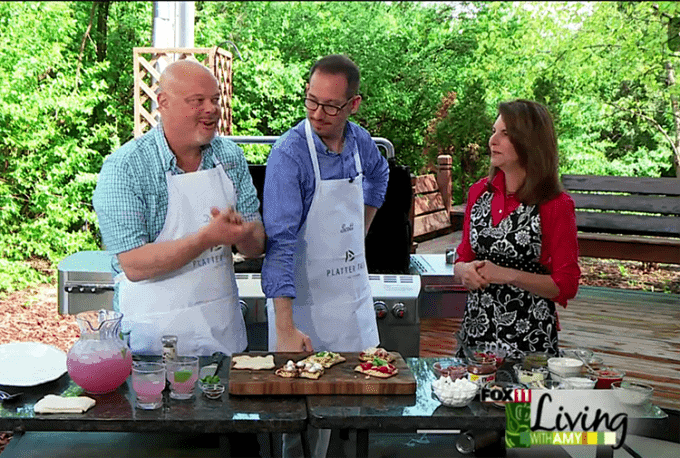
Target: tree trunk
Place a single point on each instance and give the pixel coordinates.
(82, 47)
(676, 118)
(102, 29)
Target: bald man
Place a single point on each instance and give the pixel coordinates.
(171, 204)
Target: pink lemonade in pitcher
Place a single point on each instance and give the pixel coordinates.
(100, 361)
(100, 371)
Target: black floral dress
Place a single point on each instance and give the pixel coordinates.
(513, 318)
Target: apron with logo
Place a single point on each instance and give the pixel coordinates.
(513, 318)
(334, 304)
(199, 302)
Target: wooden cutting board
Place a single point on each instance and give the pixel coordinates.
(339, 379)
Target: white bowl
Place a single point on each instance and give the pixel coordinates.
(575, 353)
(561, 368)
(583, 382)
(631, 393)
(455, 398)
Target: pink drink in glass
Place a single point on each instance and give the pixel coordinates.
(182, 373)
(184, 387)
(148, 381)
(148, 391)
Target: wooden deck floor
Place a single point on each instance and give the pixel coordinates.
(634, 331)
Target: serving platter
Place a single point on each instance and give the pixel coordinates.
(340, 379)
(30, 363)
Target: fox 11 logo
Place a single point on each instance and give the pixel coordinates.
(502, 395)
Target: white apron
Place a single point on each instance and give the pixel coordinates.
(199, 302)
(334, 304)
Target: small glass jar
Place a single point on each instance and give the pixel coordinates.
(169, 344)
(481, 372)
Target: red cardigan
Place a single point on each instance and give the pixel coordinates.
(559, 247)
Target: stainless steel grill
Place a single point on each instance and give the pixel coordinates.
(395, 300)
(440, 296)
(85, 283)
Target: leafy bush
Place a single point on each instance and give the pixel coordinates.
(460, 129)
(604, 70)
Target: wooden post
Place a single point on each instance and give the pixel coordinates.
(444, 163)
(412, 213)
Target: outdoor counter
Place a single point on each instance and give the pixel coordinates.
(365, 414)
(116, 412)
(401, 413)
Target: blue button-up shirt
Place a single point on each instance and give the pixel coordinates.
(131, 197)
(289, 188)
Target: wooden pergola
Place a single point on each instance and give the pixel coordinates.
(147, 76)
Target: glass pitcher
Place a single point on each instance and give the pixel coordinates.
(100, 361)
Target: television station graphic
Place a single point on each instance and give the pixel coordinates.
(560, 417)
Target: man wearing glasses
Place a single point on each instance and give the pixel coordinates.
(324, 183)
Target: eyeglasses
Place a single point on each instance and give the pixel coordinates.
(330, 110)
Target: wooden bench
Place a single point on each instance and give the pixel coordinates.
(627, 218)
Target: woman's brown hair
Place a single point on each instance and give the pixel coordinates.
(532, 133)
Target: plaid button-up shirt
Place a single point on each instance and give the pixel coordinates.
(131, 197)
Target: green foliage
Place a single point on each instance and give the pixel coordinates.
(461, 129)
(16, 275)
(406, 54)
(60, 118)
(605, 70)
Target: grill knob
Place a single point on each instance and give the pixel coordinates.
(380, 309)
(398, 310)
(244, 307)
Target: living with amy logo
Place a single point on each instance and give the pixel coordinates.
(559, 417)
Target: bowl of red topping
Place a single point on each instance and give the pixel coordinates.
(607, 376)
(489, 353)
(452, 368)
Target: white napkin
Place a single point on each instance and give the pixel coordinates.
(57, 404)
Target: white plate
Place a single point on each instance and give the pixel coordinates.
(30, 363)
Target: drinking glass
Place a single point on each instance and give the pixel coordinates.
(148, 381)
(182, 373)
